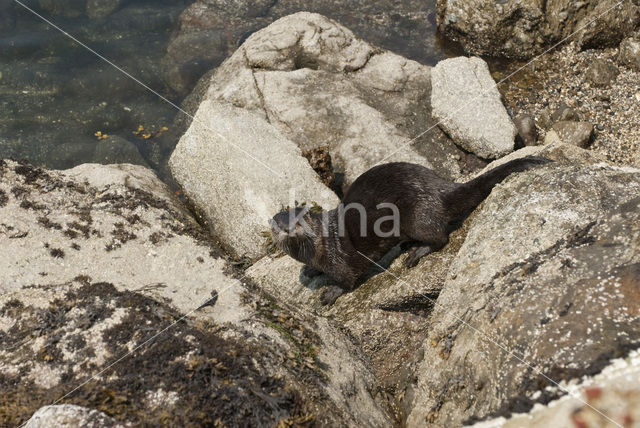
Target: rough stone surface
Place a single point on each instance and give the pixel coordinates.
(238, 171)
(70, 416)
(466, 103)
(602, 73)
(113, 299)
(608, 398)
(320, 86)
(524, 28)
(548, 274)
(557, 151)
(629, 54)
(552, 137)
(97, 218)
(575, 133)
(387, 315)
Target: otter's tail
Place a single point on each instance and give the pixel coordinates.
(467, 196)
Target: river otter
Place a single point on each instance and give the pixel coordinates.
(389, 204)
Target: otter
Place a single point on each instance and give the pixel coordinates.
(390, 204)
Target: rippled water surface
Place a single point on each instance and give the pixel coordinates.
(61, 105)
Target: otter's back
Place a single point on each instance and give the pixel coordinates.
(413, 189)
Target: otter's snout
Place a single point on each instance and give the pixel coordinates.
(288, 223)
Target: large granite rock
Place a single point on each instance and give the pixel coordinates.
(522, 29)
(210, 30)
(543, 290)
(467, 105)
(319, 85)
(113, 299)
(238, 171)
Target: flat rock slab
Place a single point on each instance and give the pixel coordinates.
(466, 103)
(238, 171)
(92, 221)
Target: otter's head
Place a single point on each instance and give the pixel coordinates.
(292, 231)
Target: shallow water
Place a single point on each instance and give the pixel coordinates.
(61, 105)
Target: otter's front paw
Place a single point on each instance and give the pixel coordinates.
(330, 295)
(310, 272)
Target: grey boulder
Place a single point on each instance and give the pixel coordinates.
(467, 105)
(208, 31)
(602, 73)
(629, 53)
(112, 297)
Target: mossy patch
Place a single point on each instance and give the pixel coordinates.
(120, 236)
(29, 172)
(44, 221)
(3, 198)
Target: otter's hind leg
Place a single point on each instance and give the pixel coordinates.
(330, 294)
(416, 253)
(429, 240)
(346, 277)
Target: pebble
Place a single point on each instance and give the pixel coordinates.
(574, 133)
(602, 73)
